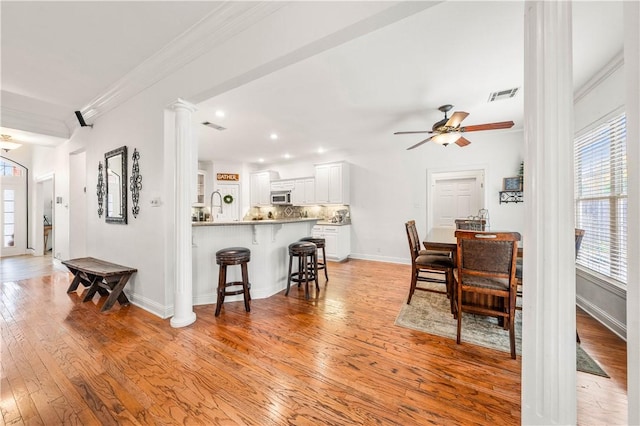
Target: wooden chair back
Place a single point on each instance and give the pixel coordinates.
(486, 277)
(471, 224)
(414, 239)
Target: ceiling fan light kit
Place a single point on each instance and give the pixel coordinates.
(448, 130)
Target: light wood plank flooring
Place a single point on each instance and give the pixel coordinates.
(336, 360)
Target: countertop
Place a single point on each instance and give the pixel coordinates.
(329, 223)
(256, 222)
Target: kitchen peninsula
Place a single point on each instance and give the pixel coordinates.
(268, 241)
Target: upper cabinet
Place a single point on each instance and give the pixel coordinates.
(261, 187)
(332, 183)
(200, 188)
(304, 191)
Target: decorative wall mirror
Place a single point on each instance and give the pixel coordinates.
(115, 163)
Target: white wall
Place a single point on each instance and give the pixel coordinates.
(389, 187)
(600, 97)
(143, 122)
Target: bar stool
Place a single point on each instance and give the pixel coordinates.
(319, 242)
(228, 257)
(307, 254)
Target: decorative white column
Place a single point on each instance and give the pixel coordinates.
(183, 314)
(549, 313)
(632, 106)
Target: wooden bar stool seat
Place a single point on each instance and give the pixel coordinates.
(229, 257)
(320, 243)
(307, 254)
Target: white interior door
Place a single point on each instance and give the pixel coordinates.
(454, 195)
(230, 211)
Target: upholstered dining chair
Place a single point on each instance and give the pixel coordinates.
(485, 279)
(422, 262)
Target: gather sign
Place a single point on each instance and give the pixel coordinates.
(228, 176)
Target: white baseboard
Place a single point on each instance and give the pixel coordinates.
(386, 259)
(602, 317)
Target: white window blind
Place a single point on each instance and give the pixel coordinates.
(601, 198)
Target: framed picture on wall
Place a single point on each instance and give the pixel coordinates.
(512, 184)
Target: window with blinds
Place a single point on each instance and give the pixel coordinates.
(601, 198)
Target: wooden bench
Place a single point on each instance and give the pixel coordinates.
(102, 277)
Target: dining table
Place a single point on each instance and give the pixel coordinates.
(444, 239)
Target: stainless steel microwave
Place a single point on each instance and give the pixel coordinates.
(281, 197)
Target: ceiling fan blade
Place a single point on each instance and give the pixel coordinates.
(420, 143)
(410, 133)
(488, 126)
(463, 141)
(456, 118)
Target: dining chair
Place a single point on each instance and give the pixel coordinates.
(471, 224)
(428, 264)
(485, 279)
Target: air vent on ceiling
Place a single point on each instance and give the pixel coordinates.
(503, 94)
(213, 125)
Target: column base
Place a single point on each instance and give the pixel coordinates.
(189, 319)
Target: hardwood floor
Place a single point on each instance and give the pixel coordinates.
(335, 360)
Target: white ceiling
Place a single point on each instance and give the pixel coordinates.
(59, 56)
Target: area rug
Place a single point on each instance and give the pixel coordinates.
(431, 313)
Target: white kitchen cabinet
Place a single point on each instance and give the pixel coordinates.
(282, 185)
(200, 189)
(304, 192)
(332, 183)
(337, 240)
(260, 183)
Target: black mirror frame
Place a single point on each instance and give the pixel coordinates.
(122, 151)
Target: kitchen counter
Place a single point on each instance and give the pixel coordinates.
(268, 241)
(329, 223)
(255, 222)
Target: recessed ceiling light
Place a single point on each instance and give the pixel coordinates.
(261, 160)
(219, 113)
(273, 136)
(321, 150)
(287, 156)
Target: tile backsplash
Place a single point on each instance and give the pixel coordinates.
(291, 212)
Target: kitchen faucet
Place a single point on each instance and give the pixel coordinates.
(211, 202)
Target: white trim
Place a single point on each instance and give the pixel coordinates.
(27, 121)
(612, 66)
(608, 284)
(385, 259)
(620, 109)
(220, 25)
(455, 172)
(603, 317)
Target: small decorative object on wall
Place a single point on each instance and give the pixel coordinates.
(512, 184)
(228, 176)
(100, 190)
(115, 167)
(136, 183)
(228, 199)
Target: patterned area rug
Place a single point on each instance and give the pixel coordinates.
(430, 313)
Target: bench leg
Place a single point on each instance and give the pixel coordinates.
(117, 294)
(76, 281)
(95, 284)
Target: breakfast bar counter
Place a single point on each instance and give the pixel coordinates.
(268, 241)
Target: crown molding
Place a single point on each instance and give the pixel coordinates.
(29, 122)
(612, 66)
(221, 24)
